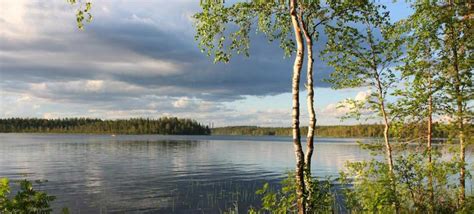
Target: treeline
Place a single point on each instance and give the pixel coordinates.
(165, 126)
(178, 126)
(361, 130)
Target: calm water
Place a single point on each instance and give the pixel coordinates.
(149, 173)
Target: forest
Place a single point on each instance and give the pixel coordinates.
(164, 126)
(177, 126)
(440, 130)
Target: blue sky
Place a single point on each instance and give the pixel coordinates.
(139, 59)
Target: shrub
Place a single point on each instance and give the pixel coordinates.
(27, 199)
(283, 200)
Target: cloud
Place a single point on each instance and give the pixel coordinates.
(137, 49)
(363, 95)
(344, 107)
(136, 59)
(94, 85)
(335, 110)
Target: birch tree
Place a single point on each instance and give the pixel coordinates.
(455, 25)
(438, 68)
(419, 99)
(313, 15)
(278, 20)
(442, 33)
(364, 56)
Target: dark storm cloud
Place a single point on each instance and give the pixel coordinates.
(133, 57)
(264, 73)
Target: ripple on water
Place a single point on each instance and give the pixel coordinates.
(167, 174)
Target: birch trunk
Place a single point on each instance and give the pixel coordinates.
(388, 147)
(381, 103)
(300, 186)
(311, 112)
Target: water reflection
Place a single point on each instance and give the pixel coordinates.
(181, 174)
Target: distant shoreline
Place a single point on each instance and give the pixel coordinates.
(440, 131)
(179, 126)
(164, 126)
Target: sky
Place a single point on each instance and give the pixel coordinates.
(139, 59)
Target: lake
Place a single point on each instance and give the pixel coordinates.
(165, 174)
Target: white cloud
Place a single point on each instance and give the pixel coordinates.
(50, 115)
(336, 110)
(363, 95)
(24, 98)
(139, 66)
(38, 86)
(105, 9)
(196, 105)
(344, 107)
(12, 11)
(94, 85)
(55, 90)
(145, 20)
(11, 17)
(182, 102)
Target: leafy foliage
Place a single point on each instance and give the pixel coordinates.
(362, 49)
(83, 12)
(222, 31)
(372, 188)
(284, 200)
(370, 181)
(439, 67)
(27, 199)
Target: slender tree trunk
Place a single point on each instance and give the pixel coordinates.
(460, 121)
(310, 103)
(311, 112)
(459, 112)
(429, 139)
(298, 64)
(388, 147)
(462, 174)
(380, 93)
